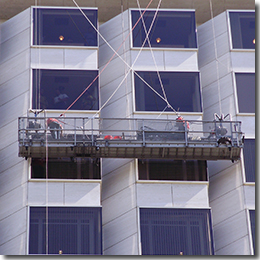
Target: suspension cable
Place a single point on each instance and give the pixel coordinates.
(150, 47)
(115, 52)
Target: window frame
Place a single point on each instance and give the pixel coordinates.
(59, 206)
(211, 238)
(61, 46)
(161, 48)
(236, 93)
(229, 29)
(135, 111)
(62, 69)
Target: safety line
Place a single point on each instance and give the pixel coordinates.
(131, 68)
(150, 47)
(115, 52)
(215, 52)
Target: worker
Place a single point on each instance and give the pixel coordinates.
(180, 122)
(53, 123)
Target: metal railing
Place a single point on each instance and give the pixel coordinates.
(74, 131)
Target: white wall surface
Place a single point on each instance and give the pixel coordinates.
(64, 193)
(178, 194)
(64, 58)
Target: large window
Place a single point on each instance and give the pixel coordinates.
(252, 221)
(66, 168)
(242, 29)
(176, 231)
(249, 159)
(53, 26)
(175, 170)
(182, 90)
(58, 89)
(245, 83)
(170, 29)
(65, 230)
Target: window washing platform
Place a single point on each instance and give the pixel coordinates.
(130, 138)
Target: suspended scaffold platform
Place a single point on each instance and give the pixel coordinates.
(129, 138)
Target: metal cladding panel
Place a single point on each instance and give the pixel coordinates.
(114, 26)
(229, 204)
(18, 23)
(124, 247)
(230, 230)
(119, 229)
(12, 226)
(15, 246)
(15, 45)
(176, 231)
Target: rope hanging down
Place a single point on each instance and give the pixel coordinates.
(150, 47)
(115, 53)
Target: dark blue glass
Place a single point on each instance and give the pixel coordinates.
(166, 231)
(249, 159)
(53, 26)
(164, 169)
(245, 83)
(66, 230)
(66, 168)
(182, 90)
(242, 29)
(58, 89)
(170, 29)
(252, 221)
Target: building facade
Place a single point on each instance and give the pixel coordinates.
(117, 153)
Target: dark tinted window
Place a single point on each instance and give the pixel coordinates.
(170, 29)
(182, 90)
(252, 221)
(58, 89)
(249, 159)
(243, 29)
(158, 169)
(74, 230)
(66, 168)
(176, 231)
(64, 27)
(245, 83)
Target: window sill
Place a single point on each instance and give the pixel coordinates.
(249, 184)
(64, 47)
(246, 114)
(167, 113)
(242, 50)
(164, 49)
(172, 182)
(67, 180)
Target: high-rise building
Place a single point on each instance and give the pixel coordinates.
(126, 129)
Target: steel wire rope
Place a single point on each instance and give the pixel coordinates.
(150, 47)
(216, 55)
(115, 52)
(131, 68)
